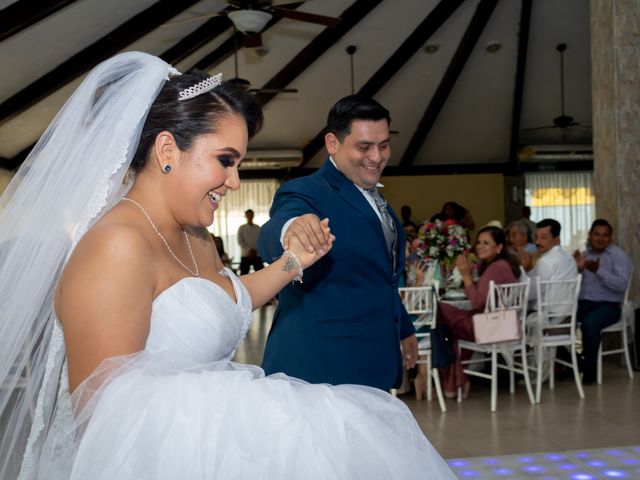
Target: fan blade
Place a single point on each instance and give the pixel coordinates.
(192, 19)
(286, 3)
(274, 90)
(249, 4)
(306, 17)
(539, 128)
(252, 41)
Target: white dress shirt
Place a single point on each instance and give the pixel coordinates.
(556, 264)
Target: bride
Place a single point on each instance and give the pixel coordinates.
(121, 321)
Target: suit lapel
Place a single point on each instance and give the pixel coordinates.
(350, 194)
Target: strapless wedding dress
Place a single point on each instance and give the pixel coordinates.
(182, 410)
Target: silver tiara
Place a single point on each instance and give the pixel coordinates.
(201, 87)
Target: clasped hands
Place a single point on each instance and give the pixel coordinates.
(309, 238)
(582, 263)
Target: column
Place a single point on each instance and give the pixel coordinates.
(615, 59)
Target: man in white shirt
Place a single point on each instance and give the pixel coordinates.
(248, 240)
(554, 263)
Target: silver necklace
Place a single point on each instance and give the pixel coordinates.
(166, 244)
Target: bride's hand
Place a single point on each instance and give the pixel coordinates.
(306, 258)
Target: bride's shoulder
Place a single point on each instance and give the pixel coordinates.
(113, 239)
(111, 249)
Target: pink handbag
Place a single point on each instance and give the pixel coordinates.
(502, 325)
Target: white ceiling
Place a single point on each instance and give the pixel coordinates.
(473, 127)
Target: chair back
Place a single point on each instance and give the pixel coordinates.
(556, 301)
(626, 304)
(421, 302)
(512, 296)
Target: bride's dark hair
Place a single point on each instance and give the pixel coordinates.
(188, 119)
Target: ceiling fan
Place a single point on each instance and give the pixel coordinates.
(563, 121)
(246, 84)
(251, 16)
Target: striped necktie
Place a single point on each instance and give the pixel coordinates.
(388, 225)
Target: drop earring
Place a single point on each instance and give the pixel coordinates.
(166, 168)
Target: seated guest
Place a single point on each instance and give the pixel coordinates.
(405, 214)
(606, 270)
(553, 263)
(457, 213)
(410, 231)
(528, 223)
(517, 233)
(410, 257)
(497, 264)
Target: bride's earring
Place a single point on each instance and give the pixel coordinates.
(166, 168)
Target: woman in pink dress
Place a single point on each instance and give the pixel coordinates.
(497, 264)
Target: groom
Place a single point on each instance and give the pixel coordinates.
(345, 323)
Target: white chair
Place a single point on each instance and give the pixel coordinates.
(557, 301)
(421, 302)
(621, 328)
(514, 296)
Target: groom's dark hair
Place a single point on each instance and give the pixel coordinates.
(350, 108)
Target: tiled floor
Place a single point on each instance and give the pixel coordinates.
(562, 426)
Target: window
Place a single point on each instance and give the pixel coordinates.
(566, 197)
(256, 195)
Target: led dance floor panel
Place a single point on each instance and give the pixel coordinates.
(602, 463)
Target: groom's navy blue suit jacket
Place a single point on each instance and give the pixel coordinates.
(345, 322)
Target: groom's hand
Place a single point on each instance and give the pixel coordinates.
(409, 348)
(310, 232)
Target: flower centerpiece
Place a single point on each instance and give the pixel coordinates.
(441, 242)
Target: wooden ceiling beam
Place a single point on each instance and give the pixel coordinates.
(83, 61)
(463, 52)
(15, 161)
(523, 48)
(185, 47)
(207, 32)
(434, 20)
(224, 51)
(319, 45)
(23, 13)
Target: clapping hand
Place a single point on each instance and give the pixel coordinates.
(525, 258)
(592, 265)
(419, 268)
(580, 261)
(464, 266)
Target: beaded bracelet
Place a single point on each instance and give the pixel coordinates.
(292, 261)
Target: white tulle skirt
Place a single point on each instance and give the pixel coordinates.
(157, 417)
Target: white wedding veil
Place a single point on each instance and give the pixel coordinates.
(74, 174)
